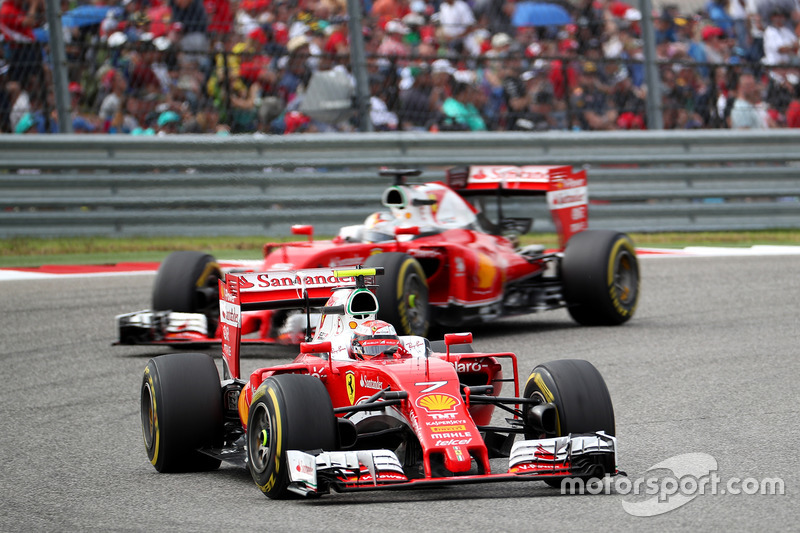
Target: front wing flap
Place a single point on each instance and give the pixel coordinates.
(162, 327)
(530, 460)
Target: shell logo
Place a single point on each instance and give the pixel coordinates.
(437, 402)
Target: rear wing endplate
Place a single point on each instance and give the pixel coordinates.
(566, 191)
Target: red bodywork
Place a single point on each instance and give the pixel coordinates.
(465, 267)
(443, 421)
(471, 270)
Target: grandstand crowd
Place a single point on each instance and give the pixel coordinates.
(159, 67)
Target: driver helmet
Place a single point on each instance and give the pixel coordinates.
(372, 338)
(379, 227)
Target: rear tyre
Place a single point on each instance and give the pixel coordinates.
(600, 275)
(402, 293)
(288, 412)
(181, 410)
(583, 403)
(186, 282)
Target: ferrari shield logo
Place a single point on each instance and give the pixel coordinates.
(350, 383)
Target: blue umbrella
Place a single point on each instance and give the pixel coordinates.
(85, 16)
(540, 14)
(78, 18)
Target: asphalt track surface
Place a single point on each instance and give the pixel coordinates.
(709, 365)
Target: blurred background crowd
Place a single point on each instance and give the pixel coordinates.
(144, 67)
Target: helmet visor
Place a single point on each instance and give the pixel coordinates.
(373, 347)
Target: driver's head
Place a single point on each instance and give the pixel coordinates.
(372, 338)
(379, 227)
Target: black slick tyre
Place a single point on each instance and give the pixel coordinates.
(600, 275)
(402, 293)
(186, 282)
(288, 412)
(576, 388)
(181, 411)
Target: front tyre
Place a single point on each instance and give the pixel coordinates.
(186, 282)
(181, 411)
(403, 293)
(576, 388)
(288, 412)
(600, 274)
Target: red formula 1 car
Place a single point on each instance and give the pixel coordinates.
(447, 264)
(362, 408)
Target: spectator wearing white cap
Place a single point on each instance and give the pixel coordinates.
(392, 44)
(441, 83)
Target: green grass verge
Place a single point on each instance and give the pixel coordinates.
(19, 252)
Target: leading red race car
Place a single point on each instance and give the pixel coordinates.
(446, 263)
(362, 408)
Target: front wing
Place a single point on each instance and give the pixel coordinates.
(590, 455)
(171, 328)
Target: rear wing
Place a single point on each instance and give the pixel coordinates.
(565, 190)
(286, 289)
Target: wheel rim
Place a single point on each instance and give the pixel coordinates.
(625, 277)
(259, 438)
(148, 416)
(416, 303)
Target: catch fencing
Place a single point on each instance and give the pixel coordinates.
(645, 181)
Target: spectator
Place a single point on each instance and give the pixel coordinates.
(296, 74)
(31, 122)
(455, 19)
(168, 123)
(628, 101)
(415, 110)
(461, 110)
(497, 14)
(718, 14)
(392, 45)
(515, 97)
(442, 83)
(220, 18)
(382, 118)
(20, 103)
(112, 103)
(714, 45)
(384, 10)
(18, 18)
(191, 17)
(749, 111)
(590, 101)
(780, 42)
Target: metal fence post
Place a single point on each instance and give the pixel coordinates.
(358, 63)
(655, 121)
(58, 59)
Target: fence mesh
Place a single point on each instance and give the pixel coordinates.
(283, 66)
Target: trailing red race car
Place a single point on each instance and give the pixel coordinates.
(447, 264)
(362, 408)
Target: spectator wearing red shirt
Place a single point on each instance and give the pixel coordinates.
(17, 20)
(383, 10)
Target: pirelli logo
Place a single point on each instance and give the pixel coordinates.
(445, 429)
